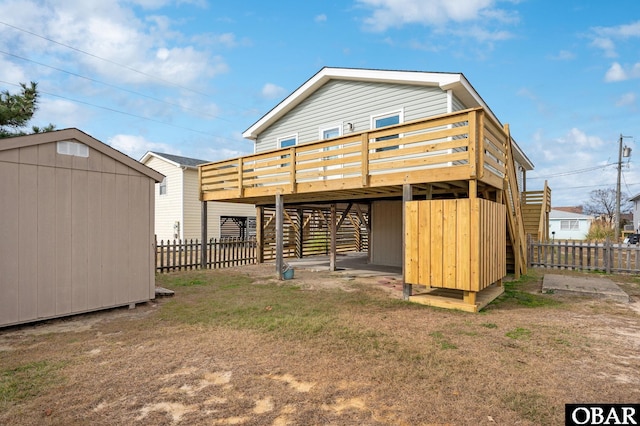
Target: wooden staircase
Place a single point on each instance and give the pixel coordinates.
(536, 206)
(527, 214)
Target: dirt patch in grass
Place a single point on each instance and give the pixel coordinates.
(241, 348)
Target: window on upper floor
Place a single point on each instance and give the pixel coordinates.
(286, 142)
(384, 120)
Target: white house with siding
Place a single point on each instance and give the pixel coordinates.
(178, 208)
(339, 101)
(565, 225)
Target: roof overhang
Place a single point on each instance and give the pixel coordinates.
(456, 82)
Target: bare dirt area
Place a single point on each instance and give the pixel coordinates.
(239, 347)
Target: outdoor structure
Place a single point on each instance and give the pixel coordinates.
(636, 212)
(77, 227)
(177, 205)
(565, 225)
(432, 175)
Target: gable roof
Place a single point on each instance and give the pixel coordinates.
(456, 82)
(176, 160)
(82, 137)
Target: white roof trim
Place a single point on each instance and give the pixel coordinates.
(146, 157)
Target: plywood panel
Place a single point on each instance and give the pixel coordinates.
(9, 212)
(96, 239)
(46, 242)
(47, 154)
(109, 238)
(79, 240)
(63, 222)
(29, 155)
(121, 233)
(27, 247)
(138, 238)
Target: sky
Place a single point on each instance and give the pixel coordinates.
(187, 77)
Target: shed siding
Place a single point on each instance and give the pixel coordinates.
(76, 234)
(343, 101)
(386, 233)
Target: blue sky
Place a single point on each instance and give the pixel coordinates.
(187, 77)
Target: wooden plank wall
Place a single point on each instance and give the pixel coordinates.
(352, 235)
(455, 244)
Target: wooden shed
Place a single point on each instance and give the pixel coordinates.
(76, 233)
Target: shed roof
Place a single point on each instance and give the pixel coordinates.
(176, 160)
(79, 136)
(456, 82)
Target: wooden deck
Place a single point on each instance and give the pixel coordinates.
(439, 154)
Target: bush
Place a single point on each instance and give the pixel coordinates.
(600, 231)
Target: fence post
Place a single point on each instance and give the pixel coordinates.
(606, 253)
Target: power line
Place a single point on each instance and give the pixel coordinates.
(573, 172)
(106, 60)
(127, 113)
(113, 86)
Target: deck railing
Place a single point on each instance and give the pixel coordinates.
(469, 144)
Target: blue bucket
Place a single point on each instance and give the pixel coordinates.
(287, 274)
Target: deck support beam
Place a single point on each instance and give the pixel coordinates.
(407, 195)
(203, 234)
(279, 235)
(300, 234)
(333, 231)
(260, 234)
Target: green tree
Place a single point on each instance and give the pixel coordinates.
(17, 109)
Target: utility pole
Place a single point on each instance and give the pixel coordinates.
(627, 153)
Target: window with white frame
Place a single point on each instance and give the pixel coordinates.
(162, 187)
(569, 224)
(286, 142)
(384, 120)
(75, 149)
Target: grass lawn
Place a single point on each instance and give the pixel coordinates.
(239, 347)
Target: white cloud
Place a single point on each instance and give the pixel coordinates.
(320, 18)
(605, 37)
(272, 91)
(615, 73)
(626, 99)
(619, 73)
(396, 13)
(564, 55)
(136, 146)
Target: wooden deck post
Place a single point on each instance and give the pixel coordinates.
(407, 195)
(333, 236)
(204, 234)
(260, 234)
(279, 235)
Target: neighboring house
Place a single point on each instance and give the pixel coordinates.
(76, 229)
(178, 208)
(564, 225)
(374, 140)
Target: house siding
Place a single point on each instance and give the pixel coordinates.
(169, 206)
(343, 101)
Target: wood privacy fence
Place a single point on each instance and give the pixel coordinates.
(585, 256)
(180, 255)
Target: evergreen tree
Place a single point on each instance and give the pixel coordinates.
(16, 110)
